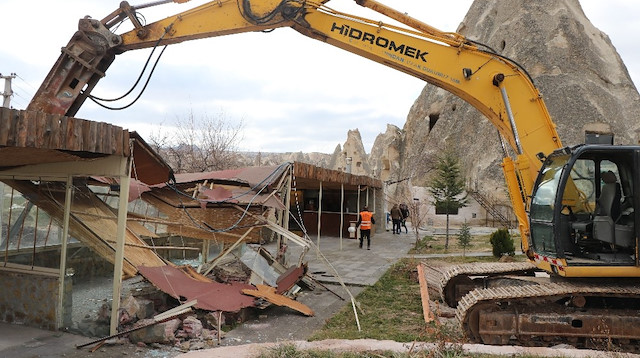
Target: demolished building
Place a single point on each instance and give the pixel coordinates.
(65, 199)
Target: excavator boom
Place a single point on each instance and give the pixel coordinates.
(491, 83)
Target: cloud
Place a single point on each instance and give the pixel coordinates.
(292, 93)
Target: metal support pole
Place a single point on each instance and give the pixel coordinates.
(358, 213)
(282, 240)
(374, 203)
(319, 213)
(367, 199)
(1, 210)
(63, 250)
(341, 212)
(123, 201)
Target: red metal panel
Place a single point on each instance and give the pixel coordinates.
(211, 296)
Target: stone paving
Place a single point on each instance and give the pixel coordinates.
(355, 266)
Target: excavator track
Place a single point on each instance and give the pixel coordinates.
(452, 282)
(593, 316)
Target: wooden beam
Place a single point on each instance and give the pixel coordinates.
(121, 228)
(424, 294)
(159, 247)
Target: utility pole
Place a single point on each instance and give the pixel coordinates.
(8, 92)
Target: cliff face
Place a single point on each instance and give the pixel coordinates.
(575, 66)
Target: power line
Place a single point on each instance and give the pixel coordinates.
(27, 83)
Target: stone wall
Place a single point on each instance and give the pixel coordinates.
(32, 299)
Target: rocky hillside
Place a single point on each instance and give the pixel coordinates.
(248, 159)
(580, 74)
(577, 69)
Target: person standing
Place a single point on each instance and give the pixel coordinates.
(404, 210)
(396, 217)
(365, 220)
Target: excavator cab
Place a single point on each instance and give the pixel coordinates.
(583, 206)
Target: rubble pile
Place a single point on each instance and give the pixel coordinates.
(175, 305)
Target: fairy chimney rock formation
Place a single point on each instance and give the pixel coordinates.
(384, 160)
(352, 158)
(581, 76)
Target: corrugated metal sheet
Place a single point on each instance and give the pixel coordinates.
(211, 296)
(253, 176)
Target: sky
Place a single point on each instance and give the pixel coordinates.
(289, 92)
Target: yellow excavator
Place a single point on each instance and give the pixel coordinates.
(574, 205)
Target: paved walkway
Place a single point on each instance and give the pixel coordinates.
(355, 266)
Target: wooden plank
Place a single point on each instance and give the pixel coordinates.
(269, 294)
(93, 231)
(20, 133)
(64, 132)
(36, 129)
(40, 123)
(85, 133)
(74, 137)
(126, 148)
(90, 137)
(29, 128)
(51, 135)
(424, 294)
(107, 139)
(147, 247)
(76, 228)
(5, 124)
(308, 171)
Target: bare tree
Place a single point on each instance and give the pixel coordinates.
(200, 144)
(418, 213)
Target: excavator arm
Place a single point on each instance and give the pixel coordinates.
(493, 84)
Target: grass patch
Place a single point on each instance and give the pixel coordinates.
(470, 259)
(390, 309)
(290, 351)
(436, 244)
(442, 351)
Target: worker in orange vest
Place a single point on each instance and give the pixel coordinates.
(365, 220)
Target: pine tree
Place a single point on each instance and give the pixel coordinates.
(447, 187)
(464, 237)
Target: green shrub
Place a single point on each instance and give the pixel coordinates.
(502, 243)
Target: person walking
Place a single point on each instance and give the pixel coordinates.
(396, 217)
(365, 220)
(404, 210)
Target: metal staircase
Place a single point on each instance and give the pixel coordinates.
(490, 207)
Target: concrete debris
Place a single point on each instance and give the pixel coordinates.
(130, 306)
(214, 320)
(163, 332)
(217, 303)
(192, 327)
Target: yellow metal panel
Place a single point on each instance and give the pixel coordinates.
(216, 18)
